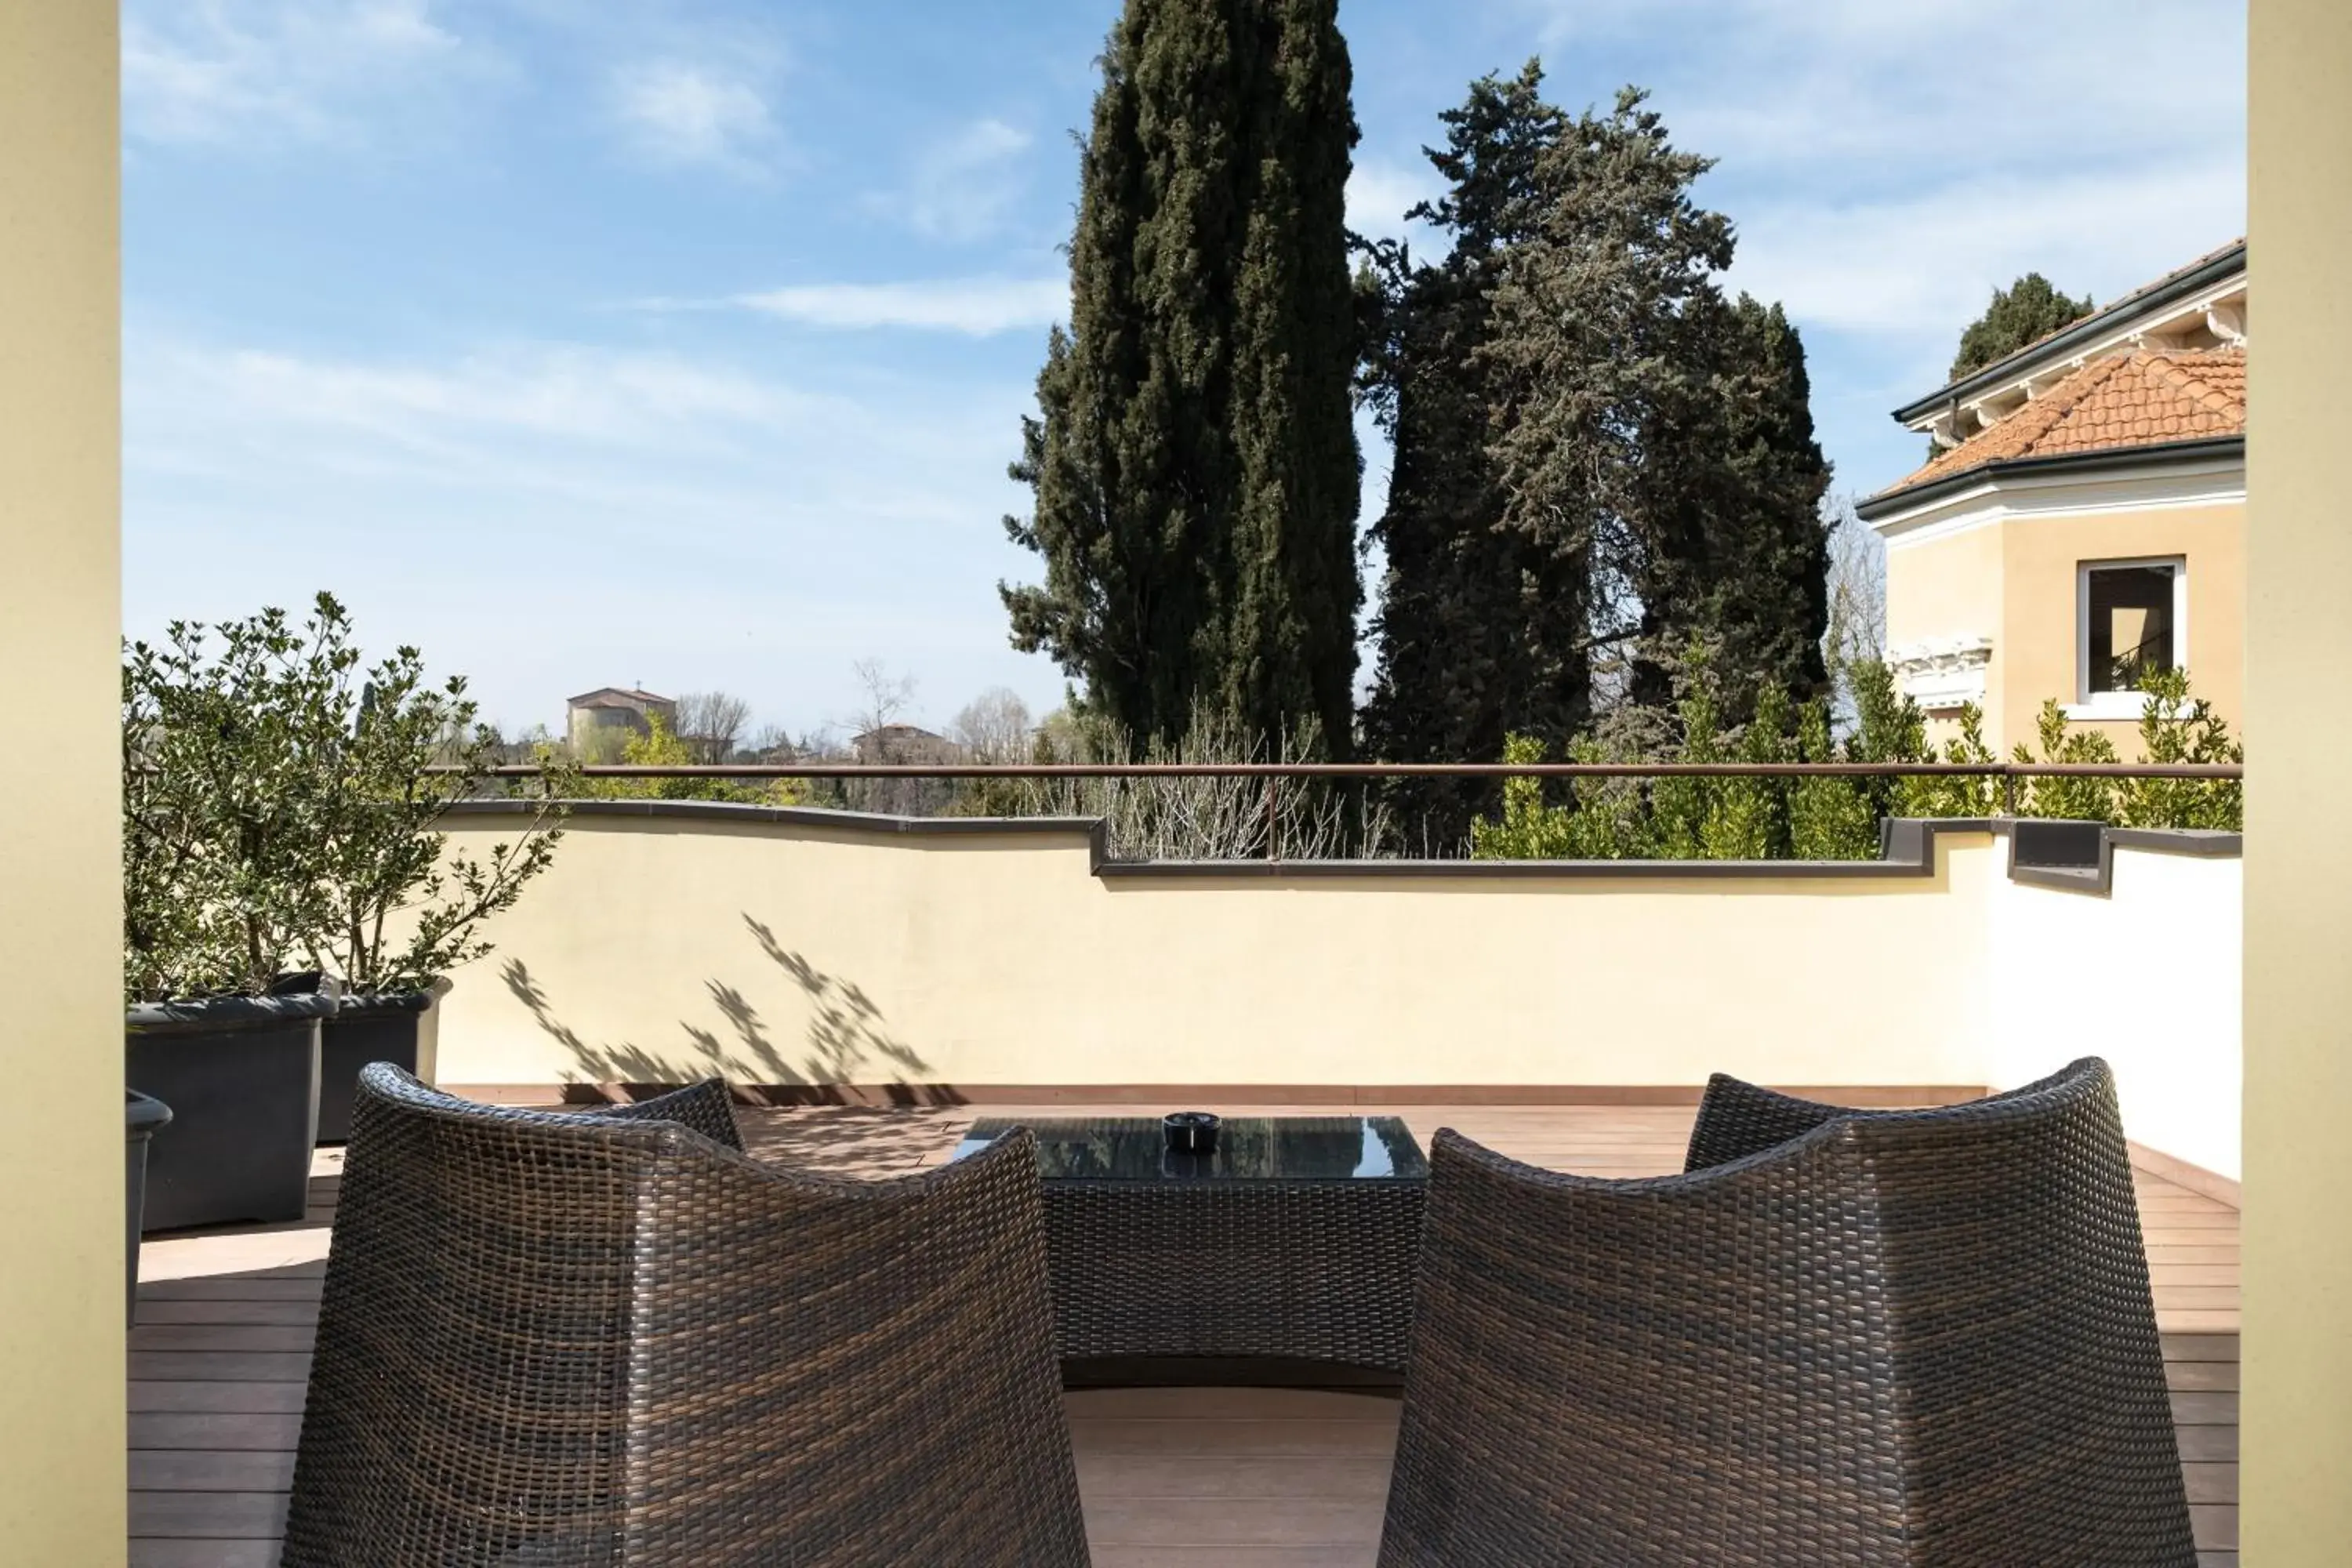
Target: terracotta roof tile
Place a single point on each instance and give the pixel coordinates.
(2124, 400)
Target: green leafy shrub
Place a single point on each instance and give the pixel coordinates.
(1835, 818)
(2078, 799)
(223, 804)
(1954, 794)
(662, 747)
(2174, 727)
(278, 806)
(1529, 828)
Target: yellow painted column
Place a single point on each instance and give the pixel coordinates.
(61, 1346)
(2296, 1506)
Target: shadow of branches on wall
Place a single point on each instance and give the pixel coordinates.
(599, 1063)
(848, 1039)
(847, 1034)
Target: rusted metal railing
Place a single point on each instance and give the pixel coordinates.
(1274, 773)
(2209, 771)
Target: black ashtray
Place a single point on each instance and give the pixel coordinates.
(1191, 1132)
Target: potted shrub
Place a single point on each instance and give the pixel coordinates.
(401, 911)
(222, 814)
(279, 868)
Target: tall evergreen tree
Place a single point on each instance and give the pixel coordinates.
(2026, 311)
(1463, 657)
(1193, 462)
(1598, 457)
(1729, 546)
(1605, 402)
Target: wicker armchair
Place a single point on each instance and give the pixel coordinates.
(609, 1338)
(1914, 1338)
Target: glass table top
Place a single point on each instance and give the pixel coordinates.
(1249, 1149)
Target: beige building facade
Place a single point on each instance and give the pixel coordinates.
(2089, 528)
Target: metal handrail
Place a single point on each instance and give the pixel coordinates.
(2214, 771)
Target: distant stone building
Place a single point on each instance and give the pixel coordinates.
(599, 723)
(904, 745)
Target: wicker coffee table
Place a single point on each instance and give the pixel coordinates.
(1286, 1256)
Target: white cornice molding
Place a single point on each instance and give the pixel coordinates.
(1943, 674)
(2217, 481)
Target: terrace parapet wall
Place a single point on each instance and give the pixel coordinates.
(814, 954)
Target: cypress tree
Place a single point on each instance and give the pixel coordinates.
(1193, 461)
(1459, 663)
(2026, 311)
(1730, 548)
(1599, 459)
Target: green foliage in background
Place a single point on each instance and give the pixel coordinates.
(2175, 726)
(662, 747)
(2025, 312)
(1687, 819)
(2080, 800)
(1834, 817)
(279, 800)
(1599, 457)
(1194, 466)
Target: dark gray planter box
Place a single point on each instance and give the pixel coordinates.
(143, 1116)
(404, 1029)
(241, 1076)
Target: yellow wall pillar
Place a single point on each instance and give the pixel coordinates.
(2297, 1496)
(61, 1346)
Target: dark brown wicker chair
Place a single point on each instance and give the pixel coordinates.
(610, 1337)
(1914, 1337)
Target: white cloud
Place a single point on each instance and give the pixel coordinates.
(550, 516)
(1889, 165)
(611, 425)
(976, 307)
(561, 392)
(674, 112)
(1922, 265)
(224, 70)
(1379, 195)
(1885, 92)
(963, 186)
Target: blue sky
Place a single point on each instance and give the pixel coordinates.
(590, 341)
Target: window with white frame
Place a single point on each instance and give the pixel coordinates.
(2132, 622)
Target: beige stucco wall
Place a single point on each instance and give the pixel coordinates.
(661, 950)
(2297, 1502)
(61, 1347)
(1003, 959)
(2147, 977)
(2036, 648)
(2013, 580)
(1943, 589)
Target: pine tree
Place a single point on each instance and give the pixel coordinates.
(1605, 405)
(2026, 311)
(1193, 460)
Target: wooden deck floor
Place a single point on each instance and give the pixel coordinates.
(1273, 1479)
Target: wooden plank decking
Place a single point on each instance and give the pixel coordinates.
(1273, 1479)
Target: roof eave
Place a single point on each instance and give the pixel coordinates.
(2156, 454)
(2196, 279)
